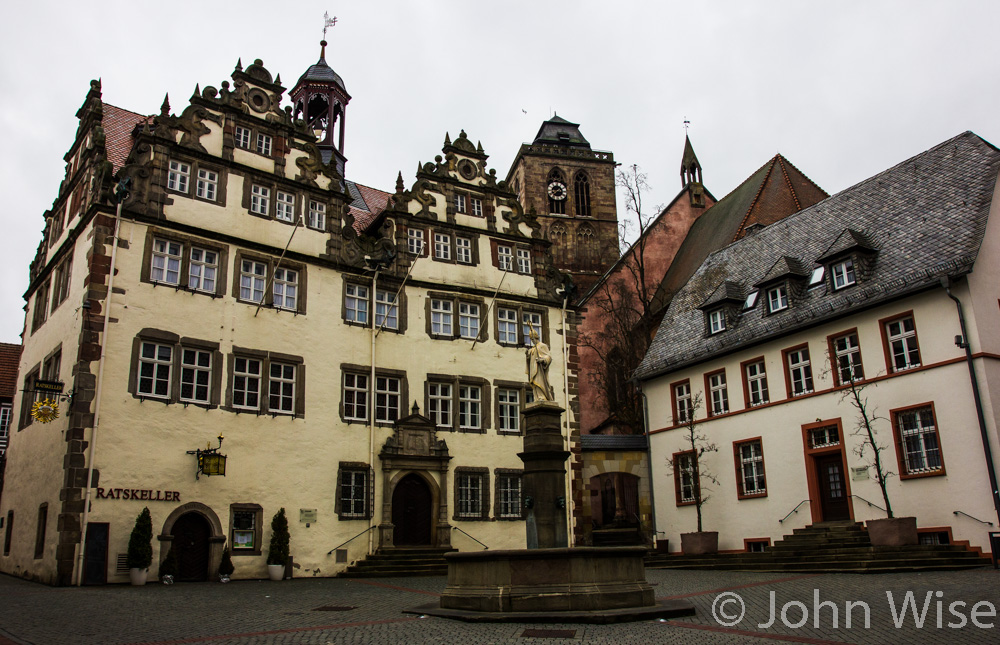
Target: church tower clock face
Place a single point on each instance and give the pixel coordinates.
(557, 190)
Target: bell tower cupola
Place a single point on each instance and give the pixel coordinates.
(321, 99)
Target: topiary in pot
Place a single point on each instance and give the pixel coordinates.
(277, 552)
(168, 568)
(140, 548)
(226, 567)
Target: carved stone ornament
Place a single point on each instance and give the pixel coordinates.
(517, 216)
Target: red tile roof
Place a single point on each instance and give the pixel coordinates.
(10, 356)
(118, 126)
(376, 199)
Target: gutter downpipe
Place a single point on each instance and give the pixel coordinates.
(121, 194)
(570, 536)
(371, 406)
(945, 282)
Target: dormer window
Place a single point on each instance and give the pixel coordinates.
(816, 279)
(716, 321)
(777, 299)
(751, 301)
(842, 274)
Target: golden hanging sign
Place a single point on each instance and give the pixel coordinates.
(45, 410)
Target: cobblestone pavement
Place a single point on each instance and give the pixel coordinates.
(369, 611)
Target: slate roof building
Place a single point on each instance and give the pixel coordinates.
(891, 283)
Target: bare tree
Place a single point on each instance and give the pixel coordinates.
(697, 446)
(865, 429)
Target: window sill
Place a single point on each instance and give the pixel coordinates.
(236, 553)
(751, 495)
(924, 473)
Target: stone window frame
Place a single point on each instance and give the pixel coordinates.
(266, 358)
(354, 467)
(501, 473)
(738, 462)
(195, 164)
(521, 309)
(425, 246)
(187, 242)
(62, 280)
(308, 200)
(581, 194)
(40, 310)
(456, 299)
(710, 390)
(272, 264)
(258, 530)
(370, 407)
(514, 247)
(484, 486)
(179, 344)
(521, 388)
(455, 382)
(28, 396)
(300, 206)
(398, 291)
(897, 433)
(449, 248)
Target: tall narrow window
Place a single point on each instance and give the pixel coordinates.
(241, 137)
(179, 177)
(468, 320)
(356, 304)
(260, 198)
(463, 250)
(800, 371)
(203, 269)
(716, 321)
(507, 326)
(750, 468)
(847, 352)
(282, 388)
(531, 321)
(508, 496)
(353, 493)
(6, 413)
(253, 275)
(439, 404)
(155, 362)
(286, 288)
(556, 189)
(523, 261)
(505, 258)
(684, 480)
(459, 203)
(166, 262)
(386, 310)
(43, 519)
(356, 397)
(581, 193)
(317, 215)
(386, 399)
(264, 145)
(208, 184)
(918, 442)
(441, 318)
(718, 393)
(756, 383)
(285, 206)
(246, 383)
(470, 495)
(682, 402)
(415, 241)
(470, 407)
(196, 375)
(442, 246)
(477, 206)
(509, 410)
(901, 337)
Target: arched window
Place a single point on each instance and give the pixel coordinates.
(581, 193)
(586, 244)
(557, 235)
(556, 189)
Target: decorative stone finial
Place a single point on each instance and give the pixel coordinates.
(322, 50)
(399, 182)
(197, 90)
(239, 64)
(416, 408)
(165, 106)
(447, 139)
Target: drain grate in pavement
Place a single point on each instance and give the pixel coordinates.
(548, 633)
(334, 608)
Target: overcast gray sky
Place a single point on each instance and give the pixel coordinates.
(843, 90)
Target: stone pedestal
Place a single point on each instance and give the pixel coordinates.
(544, 480)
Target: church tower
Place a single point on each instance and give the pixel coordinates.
(571, 187)
(321, 99)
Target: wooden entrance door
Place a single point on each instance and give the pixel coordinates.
(191, 533)
(411, 512)
(95, 564)
(832, 488)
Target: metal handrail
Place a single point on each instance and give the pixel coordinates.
(351, 540)
(485, 548)
(870, 503)
(970, 517)
(794, 510)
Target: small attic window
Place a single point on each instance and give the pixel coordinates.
(563, 136)
(751, 300)
(817, 277)
(716, 321)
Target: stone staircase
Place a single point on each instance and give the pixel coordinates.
(400, 561)
(833, 547)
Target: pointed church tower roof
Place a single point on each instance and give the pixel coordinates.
(690, 168)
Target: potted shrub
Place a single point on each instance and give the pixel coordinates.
(226, 567)
(168, 568)
(277, 552)
(140, 548)
(700, 542)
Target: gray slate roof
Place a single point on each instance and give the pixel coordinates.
(552, 129)
(926, 216)
(322, 72)
(623, 442)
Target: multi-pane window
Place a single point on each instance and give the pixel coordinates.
(245, 531)
(470, 494)
(718, 393)
(477, 206)
(682, 402)
(901, 335)
(919, 438)
(716, 321)
(260, 198)
(442, 246)
(253, 276)
(463, 250)
(317, 215)
(847, 352)
(241, 136)
(777, 298)
(285, 206)
(387, 398)
(286, 288)
(155, 362)
(442, 312)
(415, 241)
(505, 258)
(508, 496)
(179, 176)
(356, 397)
(246, 383)
(264, 144)
(507, 333)
(531, 321)
(6, 412)
(468, 320)
(756, 383)
(750, 460)
(459, 203)
(166, 262)
(508, 405)
(353, 493)
(823, 437)
(684, 477)
(843, 274)
(523, 261)
(203, 269)
(439, 404)
(386, 310)
(208, 184)
(470, 407)
(356, 304)
(282, 388)
(196, 375)
(61, 282)
(800, 371)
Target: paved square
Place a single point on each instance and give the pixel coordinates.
(333, 610)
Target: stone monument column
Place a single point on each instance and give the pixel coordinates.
(544, 481)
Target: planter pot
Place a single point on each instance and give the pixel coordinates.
(703, 543)
(137, 576)
(894, 531)
(276, 571)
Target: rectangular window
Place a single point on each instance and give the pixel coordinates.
(505, 258)
(415, 241)
(901, 338)
(260, 198)
(246, 383)
(61, 283)
(442, 246)
(777, 299)
(470, 407)
(196, 375)
(441, 318)
(353, 493)
(463, 250)
(203, 269)
(718, 393)
(386, 399)
(317, 215)
(508, 496)
(285, 207)
(155, 363)
(756, 382)
(823, 437)
(285, 288)
(179, 177)
(507, 333)
(253, 276)
(41, 310)
(43, 519)
(282, 389)
(716, 321)
(847, 353)
(459, 203)
(684, 480)
(477, 206)
(208, 184)
(523, 261)
(468, 320)
(750, 468)
(166, 262)
(799, 371)
(508, 405)
(245, 529)
(242, 137)
(682, 402)
(356, 397)
(6, 413)
(917, 441)
(439, 404)
(531, 321)
(843, 274)
(264, 145)
(356, 304)
(470, 495)
(386, 310)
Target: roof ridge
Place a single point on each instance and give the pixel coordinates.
(760, 189)
(804, 175)
(788, 182)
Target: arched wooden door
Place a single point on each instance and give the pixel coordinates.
(411, 512)
(191, 532)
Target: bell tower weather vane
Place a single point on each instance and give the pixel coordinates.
(328, 22)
